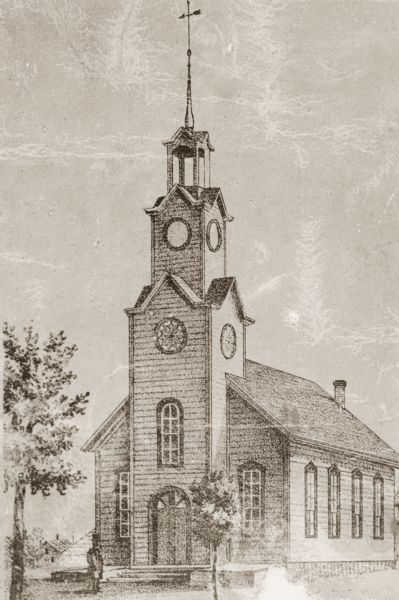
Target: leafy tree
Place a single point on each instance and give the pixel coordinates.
(215, 511)
(37, 428)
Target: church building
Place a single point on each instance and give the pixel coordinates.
(316, 485)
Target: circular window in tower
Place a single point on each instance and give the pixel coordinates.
(214, 235)
(177, 234)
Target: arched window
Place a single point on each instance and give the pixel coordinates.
(310, 501)
(334, 502)
(170, 433)
(251, 485)
(378, 508)
(357, 504)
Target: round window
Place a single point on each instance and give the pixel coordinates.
(177, 234)
(228, 341)
(214, 235)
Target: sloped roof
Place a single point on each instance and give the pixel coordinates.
(180, 285)
(58, 545)
(145, 292)
(195, 196)
(218, 290)
(191, 136)
(74, 557)
(306, 412)
(100, 433)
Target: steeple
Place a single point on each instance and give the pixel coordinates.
(188, 160)
(189, 118)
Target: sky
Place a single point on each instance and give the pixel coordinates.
(301, 99)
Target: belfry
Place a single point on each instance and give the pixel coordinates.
(195, 404)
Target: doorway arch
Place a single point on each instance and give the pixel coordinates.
(170, 527)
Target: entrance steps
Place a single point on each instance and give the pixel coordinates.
(176, 574)
(232, 574)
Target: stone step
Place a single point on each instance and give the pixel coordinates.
(149, 576)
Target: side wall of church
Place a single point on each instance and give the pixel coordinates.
(253, 438)
(112, 458)
(157, 376)
(345, 548)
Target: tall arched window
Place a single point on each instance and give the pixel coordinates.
(310, 501)
(251, 485)
(357, 504)
(334, 502)
(170, 433)
(378, 508)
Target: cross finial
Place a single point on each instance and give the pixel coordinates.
(189, 118)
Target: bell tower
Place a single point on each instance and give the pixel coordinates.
(188, 224)
(189, 151)
(189, 158)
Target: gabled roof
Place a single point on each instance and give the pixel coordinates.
(190, 136)
(194, 196)
(100, 434)
(58, 544)
(149, 292)
(307, 413)
(218, 291)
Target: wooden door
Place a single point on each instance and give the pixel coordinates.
(171, 529)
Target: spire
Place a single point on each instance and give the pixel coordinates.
(189, 118)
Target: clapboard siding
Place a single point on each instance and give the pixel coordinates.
(220, 366)
(252, 438)
(345, 548)
(156, 376)
(188, 262)
(214, 262)
(111, 458)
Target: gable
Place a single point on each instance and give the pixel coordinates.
(117, 419)
(178, 194)
(192, 197)
(149, 293)
(223, 287)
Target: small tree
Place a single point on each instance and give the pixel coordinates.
(35, 549)
(36, 426)
(215, 510)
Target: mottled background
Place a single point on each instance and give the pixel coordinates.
(302, 103)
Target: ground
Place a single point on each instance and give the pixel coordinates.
(372, 586)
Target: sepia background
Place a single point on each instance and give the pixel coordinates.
(301, 100)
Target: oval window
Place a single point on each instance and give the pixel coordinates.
(214, 235)
(177, 234)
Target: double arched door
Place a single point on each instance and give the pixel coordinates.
(170, 528)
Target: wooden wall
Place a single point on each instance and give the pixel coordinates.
(111, 458)
(157, 376)
(220, 366)
(214, 262)
(345, 548)
(188, 262)
(252, 438)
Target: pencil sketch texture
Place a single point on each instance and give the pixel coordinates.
(197, 469)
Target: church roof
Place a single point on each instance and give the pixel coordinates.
(307, 413)
(190, 136)
(113, 420)
(180, 285)
(215, 296)
(218, 290)
(195, 196)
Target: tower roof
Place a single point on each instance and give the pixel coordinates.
(198, 197)
(185, 136)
